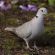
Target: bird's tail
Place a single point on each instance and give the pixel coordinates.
(9, 29)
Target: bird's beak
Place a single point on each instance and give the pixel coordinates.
(46, 17)
(44, 14)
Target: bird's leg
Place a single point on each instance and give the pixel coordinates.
(27, 43)
(35, 47)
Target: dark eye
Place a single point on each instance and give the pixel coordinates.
(42, 10)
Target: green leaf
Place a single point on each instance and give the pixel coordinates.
(51, 2)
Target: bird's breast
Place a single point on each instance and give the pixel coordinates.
(37, 27)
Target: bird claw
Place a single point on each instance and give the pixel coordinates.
(30, 49)
(35, 48)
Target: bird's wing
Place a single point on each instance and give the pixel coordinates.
(24, 30)
(29, 34)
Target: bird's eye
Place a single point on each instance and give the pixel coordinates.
(42, 10)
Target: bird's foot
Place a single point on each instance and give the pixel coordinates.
(35, 48)
(28, 48)
(38, 50)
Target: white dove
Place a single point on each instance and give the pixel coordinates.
(30, 30)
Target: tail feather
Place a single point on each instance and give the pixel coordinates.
(9, 29)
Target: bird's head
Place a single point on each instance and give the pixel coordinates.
(42, 11)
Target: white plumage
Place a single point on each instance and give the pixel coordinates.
(31, 29)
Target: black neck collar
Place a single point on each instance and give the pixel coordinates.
(36, 16)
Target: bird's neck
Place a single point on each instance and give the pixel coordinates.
(40, 18)
(40, 15)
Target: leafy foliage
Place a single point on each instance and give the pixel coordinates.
(51, 2)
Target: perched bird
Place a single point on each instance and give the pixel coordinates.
(28, 7)
(30, 30)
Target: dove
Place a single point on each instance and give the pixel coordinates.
(31, 29)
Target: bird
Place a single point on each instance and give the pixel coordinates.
(31, 29)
